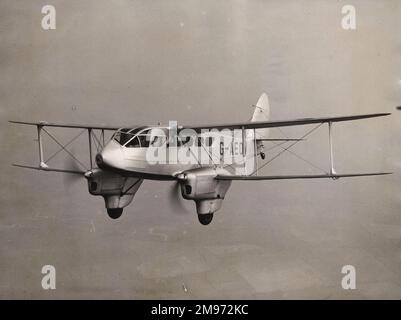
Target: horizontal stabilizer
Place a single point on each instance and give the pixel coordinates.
(49, 169)
(317, 176)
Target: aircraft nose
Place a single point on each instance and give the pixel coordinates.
(110, 156)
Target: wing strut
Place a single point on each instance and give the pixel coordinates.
(243, 148)
(42, 164)
(90, 147)
(332, 171)
(255, 151)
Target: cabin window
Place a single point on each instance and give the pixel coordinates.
(144, 140)
(205, 141)
(209, 141)
(158, 141)
(182, 141)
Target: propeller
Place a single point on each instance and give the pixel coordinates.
(175, 197)
(71, 178)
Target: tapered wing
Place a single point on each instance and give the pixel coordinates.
(285, 123)
(289, 177)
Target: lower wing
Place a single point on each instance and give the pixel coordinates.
(287, 177)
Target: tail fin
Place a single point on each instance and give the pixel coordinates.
(262, 109)
(261, 113)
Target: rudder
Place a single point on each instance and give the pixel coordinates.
(261, 113)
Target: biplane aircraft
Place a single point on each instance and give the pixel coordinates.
(203, 160)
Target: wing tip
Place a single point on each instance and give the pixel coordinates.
(38, 123)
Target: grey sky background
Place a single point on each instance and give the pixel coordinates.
(141, 62)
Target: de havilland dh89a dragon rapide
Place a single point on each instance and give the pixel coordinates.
(203, 160)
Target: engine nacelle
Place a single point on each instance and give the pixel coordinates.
(117, 191)
(201, 186)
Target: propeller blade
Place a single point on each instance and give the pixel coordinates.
(70, 179)
(175, 197)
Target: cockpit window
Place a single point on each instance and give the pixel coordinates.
(140, 140)
(142, 137)
(133, 143)
(123, 135)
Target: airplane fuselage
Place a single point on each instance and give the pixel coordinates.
(165, 161)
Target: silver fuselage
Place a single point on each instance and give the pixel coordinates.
(223, 151)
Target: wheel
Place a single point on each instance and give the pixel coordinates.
(115, 213)
(205, 219)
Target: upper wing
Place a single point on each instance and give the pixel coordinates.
(285, 123)
(316, 176)
(66, 125)
(239, 125)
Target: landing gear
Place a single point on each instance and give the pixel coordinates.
(205, 219)
(115, 213)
